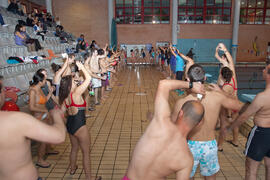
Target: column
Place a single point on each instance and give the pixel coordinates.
(174, 22)
(49, 6)
(235, 29)
(110, 17)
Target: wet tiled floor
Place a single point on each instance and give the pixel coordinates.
(117, 124)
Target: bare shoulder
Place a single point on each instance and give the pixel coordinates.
(13, 121)
(14, 116)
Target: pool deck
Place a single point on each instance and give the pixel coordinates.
(117, 124)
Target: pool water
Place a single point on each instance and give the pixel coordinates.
(250, 80)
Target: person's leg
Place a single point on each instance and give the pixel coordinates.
(235, 130)
(96, 96)
(73, 153)
(213, 177)
(267, 168)
(37, 44)
(223, 125)
(251, 169)
(102, 95)
(84, 142)
(2, 22)
(41, 154)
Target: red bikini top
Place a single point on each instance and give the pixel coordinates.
(75, 105)
(233, 85)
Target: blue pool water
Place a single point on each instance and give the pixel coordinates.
(250, 80)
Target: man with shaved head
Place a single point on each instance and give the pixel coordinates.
(163, 149)
(201, 140)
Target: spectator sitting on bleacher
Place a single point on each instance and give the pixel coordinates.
(13, 7)
(30, 40)
(20, 8)
(39, 31)
(81, 47)
(94, 45)
(50, 19)
(2, 22)
(30, 20)
(23, 39)
(64, 37)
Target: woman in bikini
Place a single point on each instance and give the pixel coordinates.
(37, 101)
(71, 96)
(228, 82)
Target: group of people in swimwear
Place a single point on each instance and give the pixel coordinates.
(176, 141)
(58, 105)
(143, 56)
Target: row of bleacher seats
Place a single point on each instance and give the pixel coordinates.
(19, 75)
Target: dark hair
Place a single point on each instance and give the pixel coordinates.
(85, 56)
(41, 70)
(193, 112)
(65, 87)
(18, 28)
(71, 55)
(100, 52)
(55, 67)
(196, 73)
(227, 74)
(74, 68)
(38, 77)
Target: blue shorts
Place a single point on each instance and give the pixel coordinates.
(109, 75)
(205, 154)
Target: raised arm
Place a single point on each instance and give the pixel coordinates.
(34, 129)
(217, 55)
(81, 89)
(227, 53)
(172, 51)
(60, 72)
(230, 102)
(162, 108)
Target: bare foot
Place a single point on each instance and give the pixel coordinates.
(43, 164)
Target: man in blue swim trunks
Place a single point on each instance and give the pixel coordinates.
(16, 130)
(257, 146)
(201, 140)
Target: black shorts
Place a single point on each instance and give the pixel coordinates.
(258, 145)
(179, 75)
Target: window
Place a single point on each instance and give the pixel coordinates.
(255, 12)
(142, 11)
(204, 11)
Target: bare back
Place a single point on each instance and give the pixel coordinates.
(162, 150)
(15, 153)
(212, 103)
